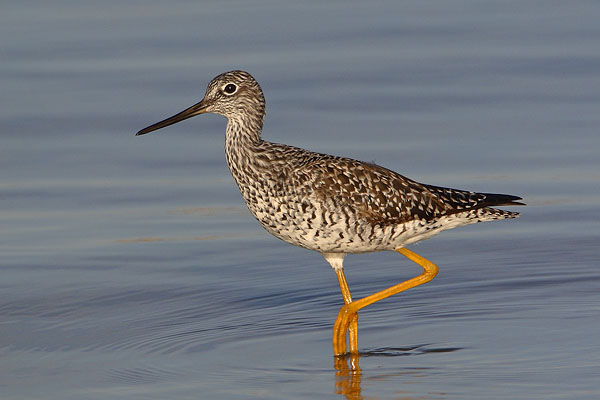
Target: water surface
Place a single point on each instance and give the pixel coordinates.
(131, 269)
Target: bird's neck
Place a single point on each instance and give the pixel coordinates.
(242, 142)
(243, 130)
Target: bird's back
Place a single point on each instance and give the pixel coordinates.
(336, 204)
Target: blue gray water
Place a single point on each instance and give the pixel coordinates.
(130, 268)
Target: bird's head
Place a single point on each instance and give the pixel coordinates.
(235, 95)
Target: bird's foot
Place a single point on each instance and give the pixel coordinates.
(347, 321)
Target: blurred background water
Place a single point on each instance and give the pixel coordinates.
(131, 269)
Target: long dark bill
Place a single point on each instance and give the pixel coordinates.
(199, 108)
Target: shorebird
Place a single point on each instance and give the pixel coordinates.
(330, 204)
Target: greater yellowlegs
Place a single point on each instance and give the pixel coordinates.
(333, 205)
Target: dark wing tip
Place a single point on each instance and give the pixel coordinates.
(494, 199)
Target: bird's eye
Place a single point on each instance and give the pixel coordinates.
(230, 88)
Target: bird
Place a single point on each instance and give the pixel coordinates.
(331, 204)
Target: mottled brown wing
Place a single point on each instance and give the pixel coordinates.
(371, 192)
(381, 196)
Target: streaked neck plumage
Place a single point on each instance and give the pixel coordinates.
(243, 139)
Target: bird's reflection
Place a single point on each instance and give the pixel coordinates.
(348, 376)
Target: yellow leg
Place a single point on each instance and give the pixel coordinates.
(347, 319)
(339, 342)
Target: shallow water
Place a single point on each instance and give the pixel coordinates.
(131, 269)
